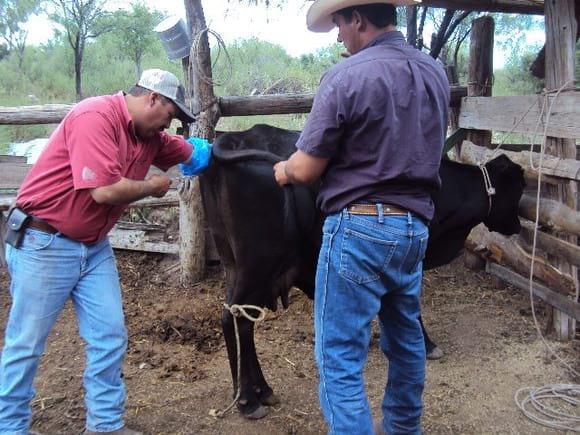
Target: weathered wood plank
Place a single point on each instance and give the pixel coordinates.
(503, 113)
(552, 298)
(553, 245)
(553, 214)
(509, 6)
(12, 174)
(136, 240)
(12, 159)
(229, 106)
(513, 252)
(554, 166)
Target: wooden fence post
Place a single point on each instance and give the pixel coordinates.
(481, 70)
(191, 215)
(561, 29)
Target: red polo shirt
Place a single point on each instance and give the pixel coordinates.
(94, 146)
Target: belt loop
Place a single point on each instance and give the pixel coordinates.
(380, 212)
(409, 224)
(345, 213)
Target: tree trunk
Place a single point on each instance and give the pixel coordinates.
(561, 30)
(78, 53)
(412, 25)
(481, 70)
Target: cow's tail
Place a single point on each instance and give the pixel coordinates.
(291, 222)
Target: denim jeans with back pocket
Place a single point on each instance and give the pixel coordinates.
(47, 270)
(369, 266)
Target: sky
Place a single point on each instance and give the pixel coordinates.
(232, 21)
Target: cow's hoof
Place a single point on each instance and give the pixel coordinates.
(270, 400)
(258, 413)
(436, 353)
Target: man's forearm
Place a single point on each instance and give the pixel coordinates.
(124, 191)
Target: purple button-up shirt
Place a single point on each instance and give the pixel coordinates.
(381, 117)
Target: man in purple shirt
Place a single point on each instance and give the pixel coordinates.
(374, 138)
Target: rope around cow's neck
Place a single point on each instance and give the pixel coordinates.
(489, 189)
(238, 311)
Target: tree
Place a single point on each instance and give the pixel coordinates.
(13, 13)
(135, 31)
(82, 20)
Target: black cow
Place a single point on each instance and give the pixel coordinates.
(268, 238)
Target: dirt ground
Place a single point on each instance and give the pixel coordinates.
(176, 366)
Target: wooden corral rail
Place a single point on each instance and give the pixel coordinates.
(505, 114)
(229, 106)
(535, 7)
(567, 169)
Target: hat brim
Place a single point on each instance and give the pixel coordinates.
(319, 16)
(185, 115)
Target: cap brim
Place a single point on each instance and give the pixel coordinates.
(319, 16)
(185, 114)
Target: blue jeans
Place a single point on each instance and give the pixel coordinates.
(369, 266)
(46, 271)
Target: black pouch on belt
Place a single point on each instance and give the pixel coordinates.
(15, 227)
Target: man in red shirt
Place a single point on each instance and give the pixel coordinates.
(94, 164)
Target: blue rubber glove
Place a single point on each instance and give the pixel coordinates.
(200, 157)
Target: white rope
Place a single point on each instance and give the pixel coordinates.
(536, 403)
(489, 189)
(195, 61)
(238, 311)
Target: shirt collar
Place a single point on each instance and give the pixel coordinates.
(394, 37)
(127, 120)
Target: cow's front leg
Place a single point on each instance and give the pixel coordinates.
(248, 401)
(265, 394)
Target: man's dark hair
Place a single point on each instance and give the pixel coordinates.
(138, 91)
(379, 14)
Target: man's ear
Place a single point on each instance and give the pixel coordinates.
(359, 21)
(152, 98)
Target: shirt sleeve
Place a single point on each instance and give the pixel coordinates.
(93, 151)
(325, 125)
(173, 149)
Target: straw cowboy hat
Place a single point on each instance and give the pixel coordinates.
(319, 17)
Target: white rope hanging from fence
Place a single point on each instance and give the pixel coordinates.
(537, 403)
(195, 61)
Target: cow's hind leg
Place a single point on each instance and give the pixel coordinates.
(248, 403)
(432, 350)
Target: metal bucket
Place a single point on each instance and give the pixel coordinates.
(174, 37)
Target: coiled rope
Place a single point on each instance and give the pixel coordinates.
(239, 311)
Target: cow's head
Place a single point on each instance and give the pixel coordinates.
(508, 180)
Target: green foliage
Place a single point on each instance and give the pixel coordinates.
(515, 78)
(134, 33)
(13, 13)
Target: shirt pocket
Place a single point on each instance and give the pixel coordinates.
(363, 257)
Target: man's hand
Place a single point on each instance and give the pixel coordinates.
(159, 185)
(280, 173)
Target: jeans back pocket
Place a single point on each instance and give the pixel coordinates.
(363, 257)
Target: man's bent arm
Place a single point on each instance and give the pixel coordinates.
(126, 190)
(300, 168)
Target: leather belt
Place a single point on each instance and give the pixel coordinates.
(39, 224)
(371, 210)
